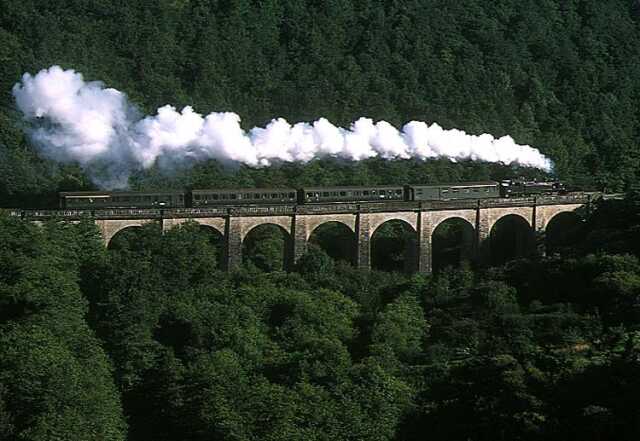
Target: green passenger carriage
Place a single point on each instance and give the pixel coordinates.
(204, 198)
(378, 193)
(453, 191)
(121, 199)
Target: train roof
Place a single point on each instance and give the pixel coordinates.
(457, 184)
(245, 190)
(350, 187)
(117, 193)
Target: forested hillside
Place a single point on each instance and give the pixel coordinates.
(149, 339)
(559, 75)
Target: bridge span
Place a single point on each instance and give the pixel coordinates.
(363, 219)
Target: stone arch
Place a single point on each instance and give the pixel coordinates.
(511, 236)
(451, 248)
(377, 220)
(217, 224)
(524, 213)
(386, 254)
(339, 243)
(315, 222)
(109, 228)
(471, 221)
(247, 224)
(547, 213)
(264, 262)
(120, 232)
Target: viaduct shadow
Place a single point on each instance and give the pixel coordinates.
(511, 238)
(394, 247)
(337, 240)
(452, 243)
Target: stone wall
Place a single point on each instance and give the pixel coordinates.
(300, 227)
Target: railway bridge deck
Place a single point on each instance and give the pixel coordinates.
(363, 219)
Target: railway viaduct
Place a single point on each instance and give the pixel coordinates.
(300, 221)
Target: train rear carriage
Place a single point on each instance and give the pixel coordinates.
(121, 199)
(310, 195)
(454, 191)
(248, 196)
(84, 199)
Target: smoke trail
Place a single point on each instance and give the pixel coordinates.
(96, 126)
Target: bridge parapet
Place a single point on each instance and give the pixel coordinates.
(581, 198)
(196, 212)
(53, 214)
(137, 213)
(269, 210)
(289, 210)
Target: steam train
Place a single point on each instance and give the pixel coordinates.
(308, 195)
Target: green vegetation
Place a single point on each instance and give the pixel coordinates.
(149, 340)
(559, 75)
(151, 332)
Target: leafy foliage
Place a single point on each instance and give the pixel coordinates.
(557, 75)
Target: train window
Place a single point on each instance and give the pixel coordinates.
(214, 197)
(292, 195)
(343, 193)
(365, 192)
(309, 195)
(398, 191)
(224, 196)
(274, 195)
(234, 196)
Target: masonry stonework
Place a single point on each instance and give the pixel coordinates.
(300, 226)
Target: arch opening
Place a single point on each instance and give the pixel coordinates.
(215, 239)
(511, 238)
(394, 247)
(563, 233)
(267, 247)
(452, 243)
(130, 238)
(337, 240)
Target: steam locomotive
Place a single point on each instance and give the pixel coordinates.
(308, 195)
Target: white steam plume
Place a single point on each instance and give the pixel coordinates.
(97, 126)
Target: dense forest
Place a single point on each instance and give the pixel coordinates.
(149, 339)
(558, 75)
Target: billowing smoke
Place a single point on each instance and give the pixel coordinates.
(86, 122)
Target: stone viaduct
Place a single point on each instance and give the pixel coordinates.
(300, 221)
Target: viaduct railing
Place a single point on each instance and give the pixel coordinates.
(288, 210)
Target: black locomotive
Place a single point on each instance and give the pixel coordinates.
(309, 195)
